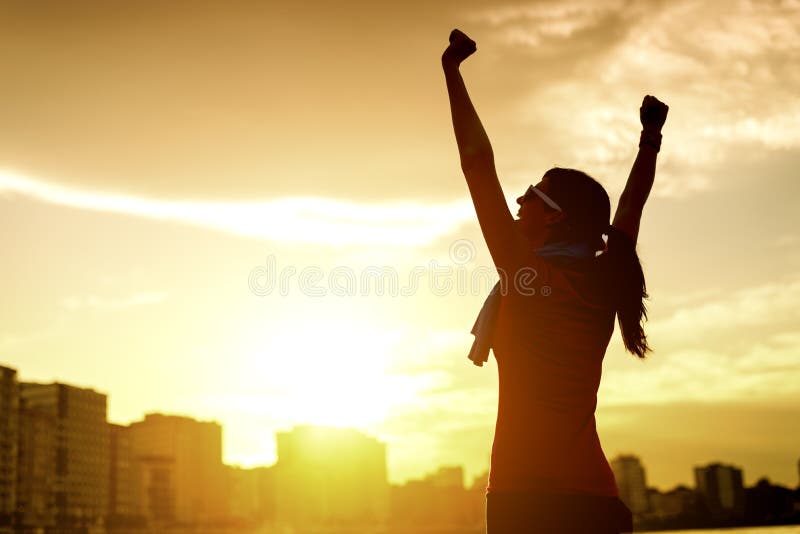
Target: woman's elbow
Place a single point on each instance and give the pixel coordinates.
(476, 160)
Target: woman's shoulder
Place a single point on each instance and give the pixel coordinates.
(587, 278)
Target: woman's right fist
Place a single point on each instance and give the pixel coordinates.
(461, 47)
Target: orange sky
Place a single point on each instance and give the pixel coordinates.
(152, 156)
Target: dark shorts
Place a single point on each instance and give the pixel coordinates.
(553, 513)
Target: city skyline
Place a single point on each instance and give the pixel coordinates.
(154, 156)
(64, 464)
(619, 463)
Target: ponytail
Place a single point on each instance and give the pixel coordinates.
(628, 290)
(621, 282)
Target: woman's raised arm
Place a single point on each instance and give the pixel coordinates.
(506, 244)
(653, 113)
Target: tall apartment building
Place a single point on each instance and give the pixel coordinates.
(125, 493)
(330, 475)
(36, 469)
(722, 489)
(9, 435)
(631, 482)
(80, 478)
(180, 463)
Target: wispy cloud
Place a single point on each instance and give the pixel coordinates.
(785, 240)
(759, 306)
(766, 371)
(534, 24)
(112, 303)
(311, 220)
(742, 345)
(727, 71)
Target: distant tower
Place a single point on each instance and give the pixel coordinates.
(9, 425)
(631, 482)
(722, 489)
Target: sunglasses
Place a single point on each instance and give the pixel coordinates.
(533, 190)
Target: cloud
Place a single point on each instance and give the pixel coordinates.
(765, 372)
(545, 24)
(739, 346)
(726, 70)
(785, 240)
(103, 303)
(777, 132)
(310, 220)
(751, 307)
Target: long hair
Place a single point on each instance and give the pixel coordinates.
(588, 210)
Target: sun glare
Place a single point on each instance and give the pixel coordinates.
(336, 375)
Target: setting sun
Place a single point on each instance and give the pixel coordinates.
(337, 373)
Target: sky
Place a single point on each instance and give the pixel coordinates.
(254, 213)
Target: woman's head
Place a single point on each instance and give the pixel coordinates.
(569, 205)
(566, 205)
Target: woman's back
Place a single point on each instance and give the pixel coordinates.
(549, 348)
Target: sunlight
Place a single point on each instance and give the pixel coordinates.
(336, 375)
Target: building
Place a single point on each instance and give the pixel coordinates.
(448, 477)
(125, 493)
(330, 475)
(769, 503)
(9, 436)
(678, 502)
(179, 460)
(80, 477)
(36, 469)
(251, 494)
(438, 500)
(722, 489)
(159, 494)
(631, 483)
(476, 504)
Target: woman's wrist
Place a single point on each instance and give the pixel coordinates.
(449, 64)
(650, 138)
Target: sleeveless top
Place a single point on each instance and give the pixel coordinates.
(549, 349)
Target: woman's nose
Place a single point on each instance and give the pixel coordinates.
(520, 199)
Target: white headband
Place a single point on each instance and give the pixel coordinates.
(547, 200)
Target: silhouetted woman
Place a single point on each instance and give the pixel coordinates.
(549, 322)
